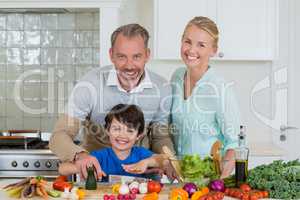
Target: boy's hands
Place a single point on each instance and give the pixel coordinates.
(136, 168)
(83, 161)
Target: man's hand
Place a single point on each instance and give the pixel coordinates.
(83, 161)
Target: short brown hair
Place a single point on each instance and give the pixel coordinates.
(131, 30)
(130, 115)
(207, 25)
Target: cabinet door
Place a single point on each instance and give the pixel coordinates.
(247, 29)
(170, 18)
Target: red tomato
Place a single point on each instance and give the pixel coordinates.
(265, 194)
(61, 185)
(253, 197)
(245, 187)
(209, 198)
(154, 186)
(61, 178)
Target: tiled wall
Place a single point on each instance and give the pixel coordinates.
(51, 51)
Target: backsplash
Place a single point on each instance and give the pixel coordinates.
(45, 54)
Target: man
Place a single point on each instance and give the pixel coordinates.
(100, 89)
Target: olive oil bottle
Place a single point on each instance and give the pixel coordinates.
(241, 159)
(91, 182)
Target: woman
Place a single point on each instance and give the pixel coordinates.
(204, 108)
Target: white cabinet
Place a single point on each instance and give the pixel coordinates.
(170, 18)
(248, 28)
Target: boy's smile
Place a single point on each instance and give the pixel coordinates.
(122, 138)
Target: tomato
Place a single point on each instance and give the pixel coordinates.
(61, 185)
(253, 197)
(62, 178)
(154, 186)
(209, 198)
(245, 187)
(245, 196)
(265, 194)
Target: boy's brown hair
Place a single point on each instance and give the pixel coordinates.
(130, 115)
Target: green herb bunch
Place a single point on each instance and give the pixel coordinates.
(281, 179)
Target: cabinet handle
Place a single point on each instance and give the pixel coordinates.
(221, 54)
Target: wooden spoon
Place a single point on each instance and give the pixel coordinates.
(174, 162)
(215, 153)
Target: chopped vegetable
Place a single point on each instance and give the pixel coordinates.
(54, 193)
(143, 188)
(124, 189)
(280, 179)
(115, 188)
(191, 188)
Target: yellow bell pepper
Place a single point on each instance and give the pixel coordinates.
(197, 195)
(115, 188)
(80, 193)
(151, 196)
(179, 194)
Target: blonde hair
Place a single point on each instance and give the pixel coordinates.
(130, 30)
(207, 25)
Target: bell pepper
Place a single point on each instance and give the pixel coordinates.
(179, 194)
(80, 193)
(151, 196)
(205, 190)
(115, 188)
(197, 195)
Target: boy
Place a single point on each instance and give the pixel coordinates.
(124, 125)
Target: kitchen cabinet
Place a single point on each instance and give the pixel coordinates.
(248, 29)
(170, 18)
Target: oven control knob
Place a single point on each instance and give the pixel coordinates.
(48, 164)
(14, 163)
(25, 164)
(37, 164)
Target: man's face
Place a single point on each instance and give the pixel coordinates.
(129, 55)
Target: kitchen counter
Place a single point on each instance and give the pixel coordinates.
(265, 149)
(90, 194)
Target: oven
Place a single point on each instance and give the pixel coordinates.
(24, 153)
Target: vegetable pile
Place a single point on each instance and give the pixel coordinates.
(197, 170)
(280, 179)
(28, 188)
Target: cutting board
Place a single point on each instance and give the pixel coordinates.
(103, 189)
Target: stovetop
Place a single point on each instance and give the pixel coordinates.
(38, 144)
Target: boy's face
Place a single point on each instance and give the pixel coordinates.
(122, 137)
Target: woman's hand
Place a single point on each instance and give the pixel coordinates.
(83, 161)
(228, 163)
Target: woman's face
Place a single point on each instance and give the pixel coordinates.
(197, 46)
(122, 137)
